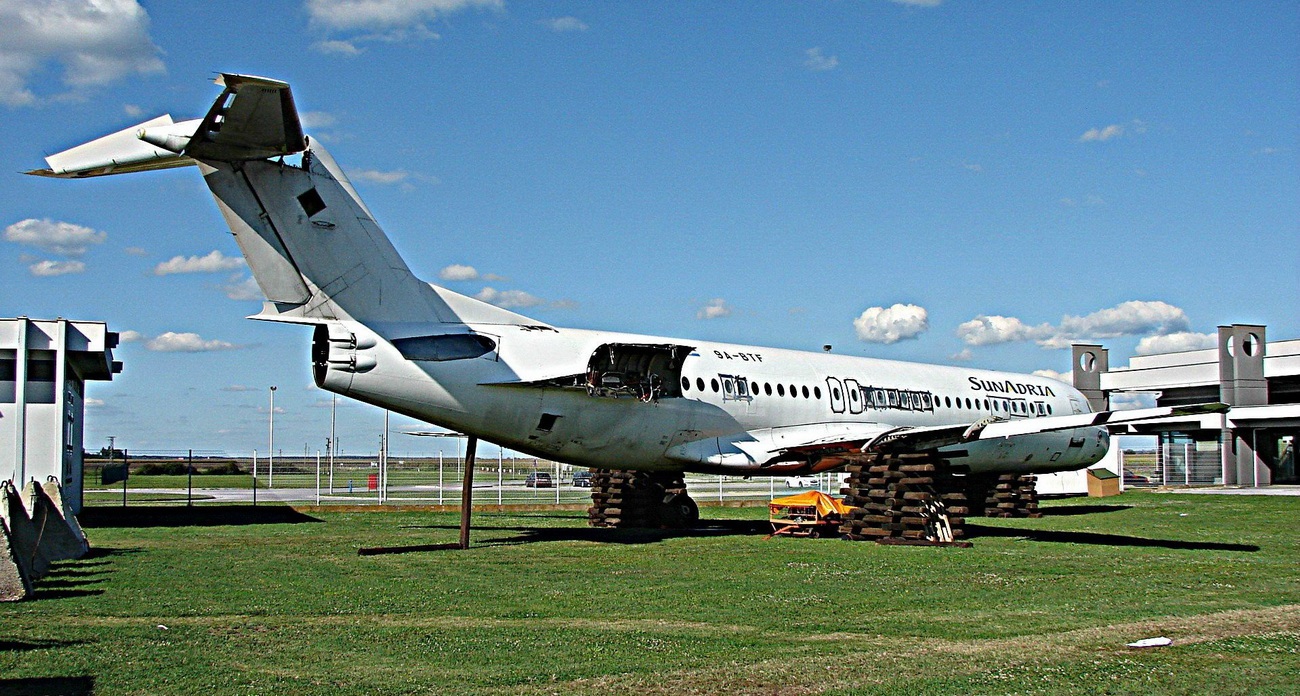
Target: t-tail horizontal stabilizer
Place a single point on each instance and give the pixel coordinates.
(254, 118)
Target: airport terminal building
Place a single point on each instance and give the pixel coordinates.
(1252, 444)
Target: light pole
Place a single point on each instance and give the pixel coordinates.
(334, 407)
(270, 454)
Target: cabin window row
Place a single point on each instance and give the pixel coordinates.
(737, 387)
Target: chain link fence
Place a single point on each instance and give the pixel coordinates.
(186, 478)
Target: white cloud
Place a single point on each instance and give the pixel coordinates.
(92, 402)
(55, 237)
(1063, 377)
(962, 356)
(132, 110)
(385, 15)
(46, 269)
(987, 330)
(508, 298)
(564, 24)
(891, 324)
(1133, 318)
(1102, 134)
(1176, 342)
(213, 262)
(717, 308)
(375, 176)
(458, 271)
(172, 342)
(129, 336)
(337, 47)
(1122, 401)
(96, 41)
(316, 119)
(815, 61)
(242, 288)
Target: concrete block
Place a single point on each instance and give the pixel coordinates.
(14, 581)
(73, 540)
(23, 535)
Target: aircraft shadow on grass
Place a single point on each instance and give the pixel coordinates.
(537, 535)
(184, 516)
(1073, 510)
(48, 686)
(975, 531)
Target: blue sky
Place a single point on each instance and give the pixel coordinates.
(952, 182)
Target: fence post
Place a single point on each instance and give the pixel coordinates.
(189, 479)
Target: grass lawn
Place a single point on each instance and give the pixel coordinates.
(271, 601)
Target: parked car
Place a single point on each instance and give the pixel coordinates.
(582, 479)
(539, 479)
(800, 481)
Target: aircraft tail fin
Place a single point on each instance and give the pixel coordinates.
(312, 245)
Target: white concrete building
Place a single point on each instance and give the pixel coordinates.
(44, 366)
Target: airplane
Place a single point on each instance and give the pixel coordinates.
(640, 410)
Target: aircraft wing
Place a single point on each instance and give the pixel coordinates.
(824, 446)
(910, 439)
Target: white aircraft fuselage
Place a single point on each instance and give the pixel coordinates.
(589, 398)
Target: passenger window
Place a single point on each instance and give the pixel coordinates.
(714, 383)
(686, 384)
(753, 388)
(805, 392)
(835, 393)
(699, 383)
(767, 388)
(780, 390)
(1049, 409)
(794, 391)
(817, 392)
(947, 402)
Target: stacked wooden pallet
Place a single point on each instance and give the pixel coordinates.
(902, 497)
(624, 498)
(1011, 495)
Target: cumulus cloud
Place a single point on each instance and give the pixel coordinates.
(213, 262)
(458, 271)
(1176, 342)
(241, 287)
(1127, 401)
(716, 308)
(1133, 318)
(1102, 134)
(386, 15)
(815, 61)
(92, 402)
(129, 336)
(375, 176)
(564, 24)
(316, 119)
(173, 342)
(46, 269)
(891, 324)
(338, 47)
(97, 42)
(1063, 377)
(508, 299)
(55, 237)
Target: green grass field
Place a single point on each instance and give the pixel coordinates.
(270, 601)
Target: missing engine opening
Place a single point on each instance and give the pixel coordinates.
(645, 372)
